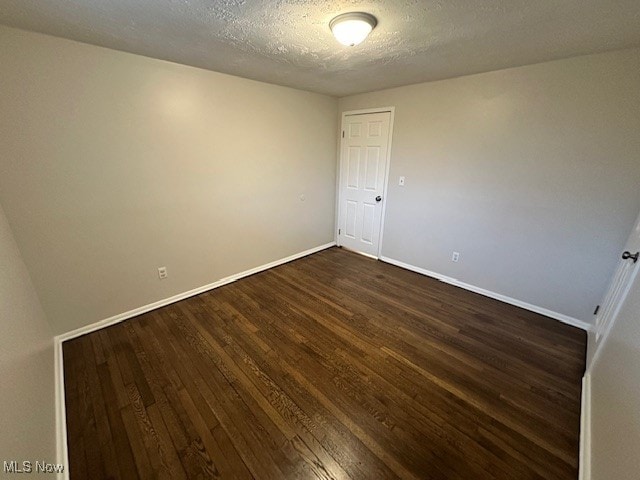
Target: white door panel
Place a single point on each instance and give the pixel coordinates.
(372, 169)
(368, 222)
(364, 160)
(353, 167)
(350, 224)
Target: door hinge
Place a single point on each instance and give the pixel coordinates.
(342, 133)
(595, 312)
(339, 231)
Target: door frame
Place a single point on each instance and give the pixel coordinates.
(391, 111)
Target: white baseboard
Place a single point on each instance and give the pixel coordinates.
(61, 451)
(585, 429)
(487, 293)
(181, 296)
(62, 457)
(61, 419)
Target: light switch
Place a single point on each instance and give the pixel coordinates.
(401, 182)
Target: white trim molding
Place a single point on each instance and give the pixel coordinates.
(488, 293)
(62, 457)
(365, 111)
(598, 344)
(584, 472)
(181, 296)
(61, 418)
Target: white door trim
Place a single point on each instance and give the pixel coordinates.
(614, 298)
(604, 334)
(584, 467)
(391, 111)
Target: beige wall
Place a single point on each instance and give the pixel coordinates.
(615, 397)
(27, 405)
(114, 164)
(530, 173)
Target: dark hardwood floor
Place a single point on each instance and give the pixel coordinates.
(334, 366)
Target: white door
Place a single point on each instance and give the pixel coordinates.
(618, 289)
(364, 159)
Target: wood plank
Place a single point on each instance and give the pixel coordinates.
(334, 366)
(124, 454)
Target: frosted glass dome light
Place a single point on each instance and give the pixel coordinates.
(351, 29)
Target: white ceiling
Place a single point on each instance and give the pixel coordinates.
(288, 42)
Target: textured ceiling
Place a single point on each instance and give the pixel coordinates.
(288, 42)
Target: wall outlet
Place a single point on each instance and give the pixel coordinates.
(401, 181)
(455, 256)
(162, 272)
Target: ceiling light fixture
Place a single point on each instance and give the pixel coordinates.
(351, 29)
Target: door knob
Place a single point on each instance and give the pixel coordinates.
(379, 198)
(627, 256)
